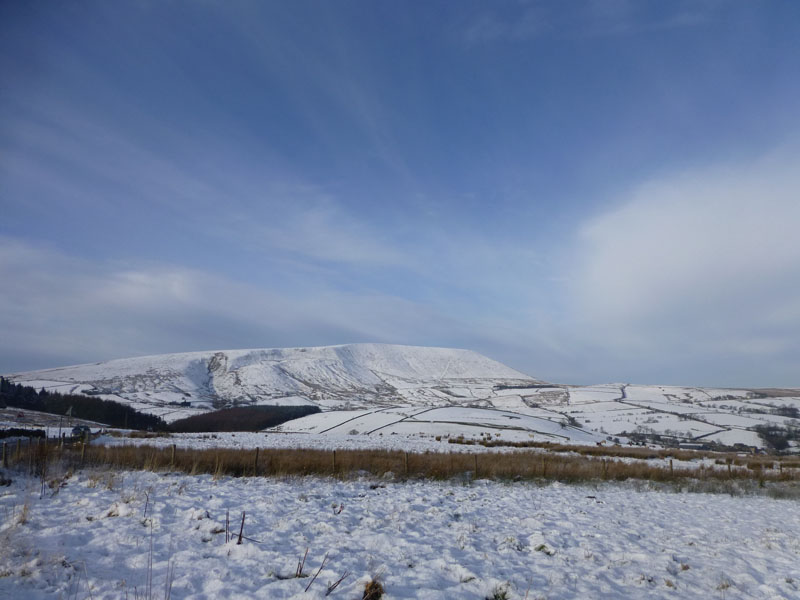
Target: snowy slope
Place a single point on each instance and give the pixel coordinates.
(449, 421)
(333, 377)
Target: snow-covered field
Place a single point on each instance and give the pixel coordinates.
(34, 419)
(250, 440)
(470, 422)
(105, 535)
(682, 413)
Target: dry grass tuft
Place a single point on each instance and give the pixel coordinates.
(373, 590)
(25, 512)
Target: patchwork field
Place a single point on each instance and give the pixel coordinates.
(375, 390)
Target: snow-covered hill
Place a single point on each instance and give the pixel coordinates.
(388, 386)
(355, 376)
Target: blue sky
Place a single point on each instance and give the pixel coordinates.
(586, 191)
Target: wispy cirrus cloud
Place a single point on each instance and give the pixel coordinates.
(71, 160)
(525, 21)
(621, 17)
(204, 195)
(65, 309)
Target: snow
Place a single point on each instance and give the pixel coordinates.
(422, 539)
(334, 377)
(678, 393)
(726, 419)
(404, 437)
(52, 425)
(737, 436)
(469, 422)
(339, 422)
(595, 393)
(790, 401)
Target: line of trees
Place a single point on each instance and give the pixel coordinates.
(242, 418)
(107, 412)
(777, 437)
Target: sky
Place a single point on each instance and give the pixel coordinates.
(587, 191)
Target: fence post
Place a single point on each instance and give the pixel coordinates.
(172, 458)
(16, 459)
(334, 462)
(670, 467)
(83, 451)
(241, 529)
(255, 463)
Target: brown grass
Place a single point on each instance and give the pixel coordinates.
(639, 452)
(373, 590)
(522, 464)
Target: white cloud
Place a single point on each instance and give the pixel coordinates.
(57, 309)
(320, 231)
(706, 263)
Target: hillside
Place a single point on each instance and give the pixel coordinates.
(354, 376)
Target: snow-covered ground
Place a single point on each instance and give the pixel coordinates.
(686, 414)
(105, 535)
(33, 419)
(244, 440)
(541, 426)
(252, 440)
